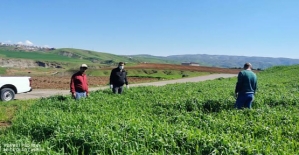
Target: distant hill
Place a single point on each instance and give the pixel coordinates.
(223, 60)
(67, 57)
(146, 58)
(64, 57)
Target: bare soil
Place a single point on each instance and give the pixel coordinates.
(4, 125)
(63, 82)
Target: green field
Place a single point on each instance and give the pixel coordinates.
(40, 56)
(150, 73)
(192, 118)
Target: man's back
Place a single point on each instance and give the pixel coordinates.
(245, 87)
(247, 82)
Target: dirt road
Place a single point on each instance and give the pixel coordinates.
(38, 93)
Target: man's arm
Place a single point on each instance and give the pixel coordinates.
(126, 79)
(239, 83)
(72, 86)
(255, 85)
(111, 77)
(87, 92)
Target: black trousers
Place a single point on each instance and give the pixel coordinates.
(117, 89)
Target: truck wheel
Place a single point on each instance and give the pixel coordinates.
(7, 94)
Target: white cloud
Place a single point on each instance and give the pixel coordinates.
(27, 42)
(47, 46)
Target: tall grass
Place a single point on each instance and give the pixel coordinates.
(190, 118)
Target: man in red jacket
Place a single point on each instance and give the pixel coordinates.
(79, 85)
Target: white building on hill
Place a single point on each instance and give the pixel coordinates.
(190, 64)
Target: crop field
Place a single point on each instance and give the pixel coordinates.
(191, 118)
(183, 68)
(134, 76)
(43, 78)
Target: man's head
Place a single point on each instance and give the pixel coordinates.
(83, 68)
(121, 65)
(247, 65)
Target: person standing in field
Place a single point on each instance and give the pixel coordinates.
(78, 84)
(118, 78)
(246, 87)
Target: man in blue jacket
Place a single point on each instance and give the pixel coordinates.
(118, 78)
(246, 87)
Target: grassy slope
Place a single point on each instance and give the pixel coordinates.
(195, 118)
(39, 56)
(154, 59)
(86, 54)
(79, 56)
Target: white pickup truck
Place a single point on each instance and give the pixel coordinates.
(9, 86)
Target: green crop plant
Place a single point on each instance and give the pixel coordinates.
(189, 118)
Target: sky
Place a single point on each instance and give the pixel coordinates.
(264, 28)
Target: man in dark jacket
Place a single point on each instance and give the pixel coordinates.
(246, 87)
(118, 78)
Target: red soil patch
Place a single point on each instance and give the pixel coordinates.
(63, 82)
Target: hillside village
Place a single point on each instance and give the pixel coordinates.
(26, 47)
